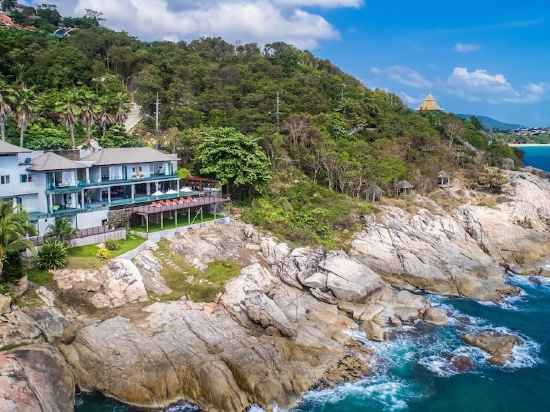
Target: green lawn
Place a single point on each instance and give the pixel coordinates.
(85, 257)
(186, 280)
(171, 223)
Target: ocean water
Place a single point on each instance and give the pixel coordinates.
(414, 374)
(538, 156)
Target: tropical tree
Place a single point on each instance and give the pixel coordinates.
(5, 108)
(23, 102)
(89, 111)
(121, 106)
(68, 108)
(234, 158)
(14, 228)
(61, 230)
(104, 118)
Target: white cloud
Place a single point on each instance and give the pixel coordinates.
(403, 75)
(260, 21)
(410, 100)
(466, 47)
(480, 85)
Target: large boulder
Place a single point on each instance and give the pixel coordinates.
(35, 378)
(263, 310)
(150, 267)
(175, 351)
(348, 279)
(500, 346)
(17, 328)
(429, 250)
(515, 230)
(217, 242)
(116, 284)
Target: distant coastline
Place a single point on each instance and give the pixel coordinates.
(529, 144)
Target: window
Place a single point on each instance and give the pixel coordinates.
(26, 178)
(5, 180)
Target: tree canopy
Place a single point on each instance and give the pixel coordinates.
(233, 158)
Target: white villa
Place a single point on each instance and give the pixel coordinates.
(48, 185)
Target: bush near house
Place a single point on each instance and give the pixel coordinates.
(52, 255)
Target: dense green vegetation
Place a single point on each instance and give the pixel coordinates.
(219, 112)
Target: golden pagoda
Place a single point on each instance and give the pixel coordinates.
(429, 105)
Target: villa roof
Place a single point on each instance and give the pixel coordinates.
(444, 174)
(403, 184)
(105, 157)
(7, 148)
(374, 189)
(429, 105)
(51, 161)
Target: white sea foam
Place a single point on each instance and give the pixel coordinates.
(389, 393)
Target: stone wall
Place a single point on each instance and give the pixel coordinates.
(119, 234)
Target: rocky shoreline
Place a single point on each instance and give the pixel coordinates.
(282, 327)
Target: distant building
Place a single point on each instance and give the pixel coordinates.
(403, 187)
(429, 105)
(443, 179)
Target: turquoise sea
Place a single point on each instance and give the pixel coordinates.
(538, 156)
(415, 375)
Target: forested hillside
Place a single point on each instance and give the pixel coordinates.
(328, 129)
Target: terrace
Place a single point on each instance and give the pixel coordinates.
(165, 214)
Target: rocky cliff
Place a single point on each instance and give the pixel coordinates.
(282, 326)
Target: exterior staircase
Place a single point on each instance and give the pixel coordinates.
(134, 117)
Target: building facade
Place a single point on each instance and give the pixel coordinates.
(49, 186)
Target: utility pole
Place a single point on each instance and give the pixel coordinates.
(278, 111)
(157, 106)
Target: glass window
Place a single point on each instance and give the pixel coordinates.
(26, 178)
(5, 180)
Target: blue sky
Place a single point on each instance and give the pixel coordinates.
(483, 57)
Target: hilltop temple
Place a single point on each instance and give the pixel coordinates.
(429, 105)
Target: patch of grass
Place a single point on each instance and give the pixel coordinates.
(86, 257)
(40, 277)
(297, 210)
(186, 280)
(170, 223)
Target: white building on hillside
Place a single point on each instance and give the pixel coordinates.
(48, 185)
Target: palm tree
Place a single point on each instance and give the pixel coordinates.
(5, 107)
(105, 119)
(24, 102)
(14, 227)
(121, 107)
(61, 230)
(68, 108)
(89, 111)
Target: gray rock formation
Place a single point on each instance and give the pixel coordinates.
(35, 378)
(499, 346)
(174, 352)
(116, 284)
(429, 251)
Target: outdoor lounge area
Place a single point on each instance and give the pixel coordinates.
(184, 211)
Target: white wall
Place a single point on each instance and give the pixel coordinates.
(91, 219)
(9, 165)
(43, 225)
(39, 180)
